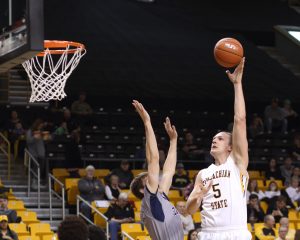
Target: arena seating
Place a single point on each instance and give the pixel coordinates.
(107, 139)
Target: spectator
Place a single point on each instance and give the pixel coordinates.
(72, 154)
(36, 146)
(297, 235)
(112, 189)
(268, 229)
(253, 189)
(14, 119)
(275, 117)
(81, 107)
(296, 172)
(72, 227)
(187, 220)
(254, 211)
(256, 126)
(124, 173)
(290, 233)
(10, 213)
(190, 149)
(293, 190)
(279, 210)
(295, 150)
(272, 191)
(189, 188)
(96, 233)
(90, 189)
(287, 169)
(180, 178)
(290, 114)
(192, 235)
(15, 128)
(6, 233)
(71, 124)
(62, 129)
(118, 213)
(282, 233)
(273, 172)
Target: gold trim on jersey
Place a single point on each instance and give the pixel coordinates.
(244, 183)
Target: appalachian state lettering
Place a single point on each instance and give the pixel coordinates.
(219, 204)
(217, 174)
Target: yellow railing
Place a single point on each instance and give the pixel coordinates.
(6, 151)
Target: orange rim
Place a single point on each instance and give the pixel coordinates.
(60, 47)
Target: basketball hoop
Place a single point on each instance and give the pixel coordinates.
(48, 76)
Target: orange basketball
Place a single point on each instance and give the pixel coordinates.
(228, 52)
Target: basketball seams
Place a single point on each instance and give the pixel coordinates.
(222, 63)
(232, 52)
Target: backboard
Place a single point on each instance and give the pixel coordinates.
(21, 31)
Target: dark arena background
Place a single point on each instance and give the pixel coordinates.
(159, 52)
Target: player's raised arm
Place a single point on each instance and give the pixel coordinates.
(170, 163)
(239, 132)
(194, 200)
(152, 155)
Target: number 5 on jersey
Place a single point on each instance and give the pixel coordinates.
(217, 191)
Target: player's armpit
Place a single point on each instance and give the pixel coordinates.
(153, 176)
(166, 182)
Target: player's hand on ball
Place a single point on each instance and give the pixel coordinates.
(236, 76)
(141, 111)
(170, 129)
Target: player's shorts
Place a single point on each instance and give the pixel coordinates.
(242, 234)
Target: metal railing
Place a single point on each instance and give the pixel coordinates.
(7, 153)
(80, 199)
(126, 236)
(52, 192)
(28, 157)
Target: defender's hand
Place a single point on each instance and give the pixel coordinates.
(141, 111)
(170, 129)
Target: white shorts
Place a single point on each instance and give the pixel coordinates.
(242, 234)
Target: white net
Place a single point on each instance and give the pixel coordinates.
(48, 76)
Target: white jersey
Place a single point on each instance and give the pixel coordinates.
(224, 207)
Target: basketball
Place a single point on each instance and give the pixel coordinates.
(228, 52)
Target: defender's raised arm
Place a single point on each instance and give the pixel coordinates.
(152, 155)
(170, 163)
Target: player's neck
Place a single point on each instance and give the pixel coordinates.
(221, 158)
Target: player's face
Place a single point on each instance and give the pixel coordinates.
(220, 143)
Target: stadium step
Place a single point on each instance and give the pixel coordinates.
(275, 54)
(44, 214)
(23, 188)
(19, 89)
(54, 224)
(18, 183)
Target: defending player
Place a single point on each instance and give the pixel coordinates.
(221, 188)
(158, 214)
